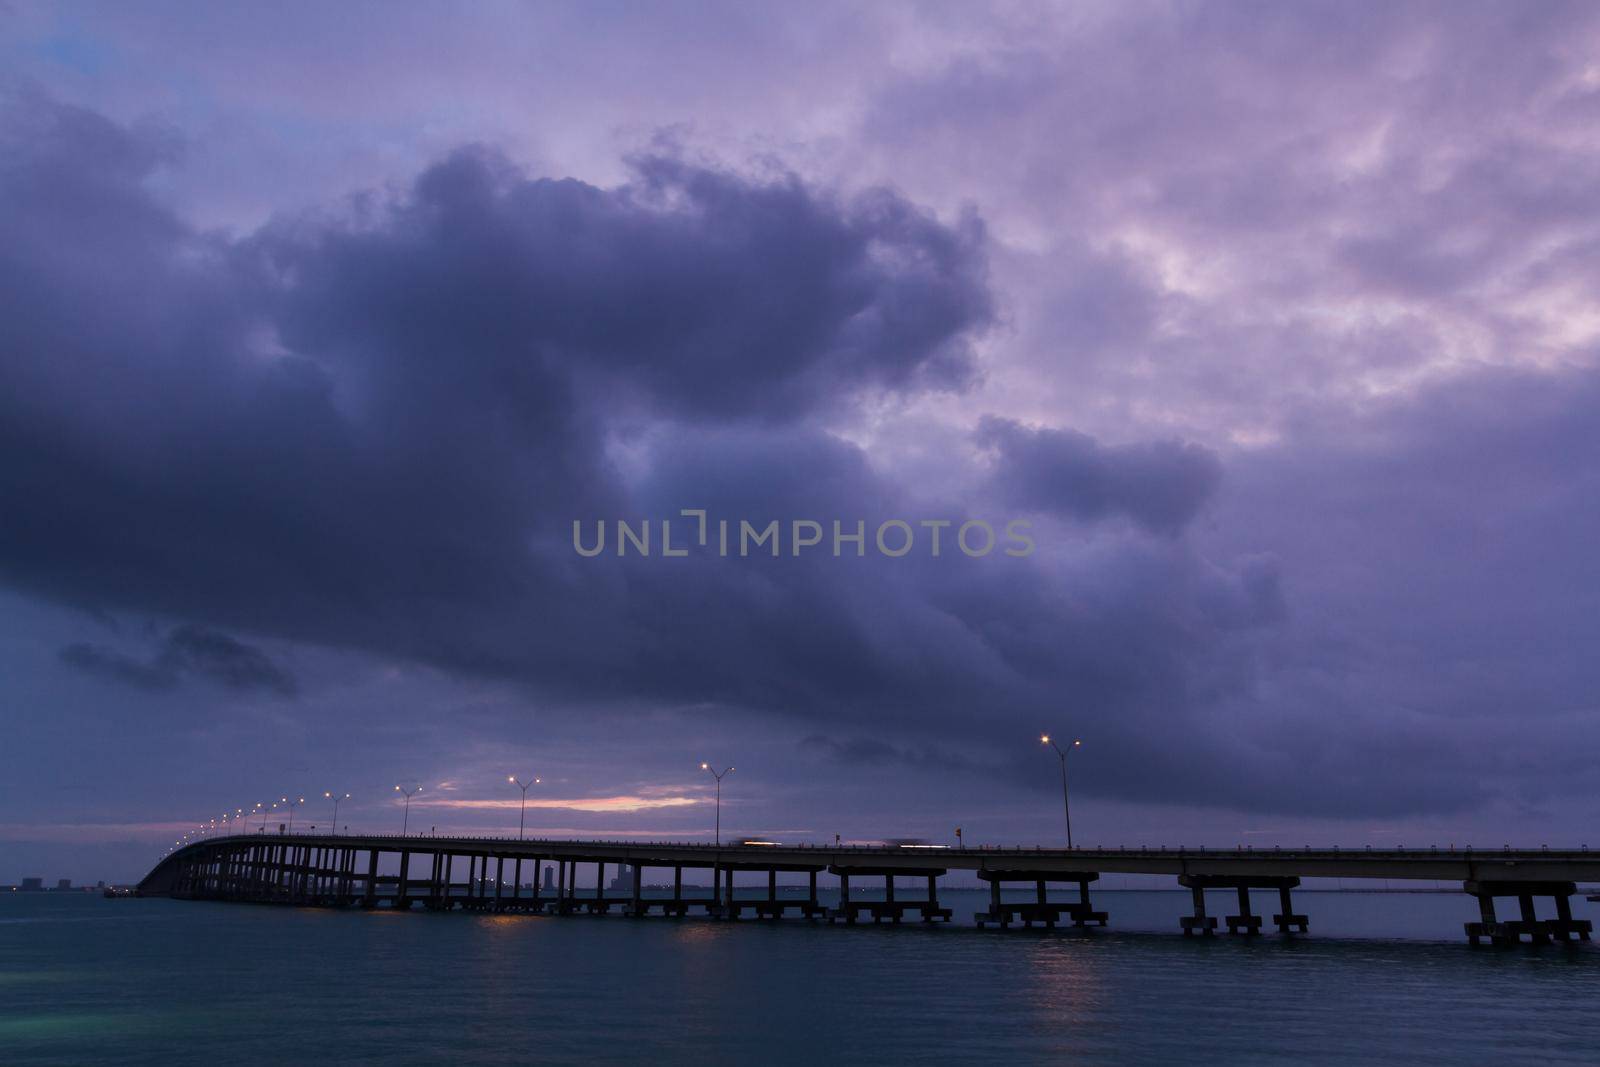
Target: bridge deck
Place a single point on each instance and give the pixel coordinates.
(344, 869)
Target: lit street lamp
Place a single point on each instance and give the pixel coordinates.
(292, 804)
(335, 797)
(408, 794)
(522, 814)
(718, 776)
(1066, 805)
(263, 810)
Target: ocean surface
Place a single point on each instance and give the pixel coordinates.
(1383, 978)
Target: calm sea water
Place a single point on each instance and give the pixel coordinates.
(1384, 978)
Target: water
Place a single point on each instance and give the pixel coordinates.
(88, 980)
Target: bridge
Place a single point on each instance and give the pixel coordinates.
(344, 871)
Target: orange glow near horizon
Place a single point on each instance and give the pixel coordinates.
(624, 802)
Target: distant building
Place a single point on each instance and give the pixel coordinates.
(63, 885)
(550, 878)
(624, 878)
(32, 885)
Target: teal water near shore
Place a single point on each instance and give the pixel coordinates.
(1384, 978)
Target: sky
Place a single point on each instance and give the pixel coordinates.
(1273, 326)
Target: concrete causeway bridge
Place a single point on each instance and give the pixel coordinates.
(440, 873)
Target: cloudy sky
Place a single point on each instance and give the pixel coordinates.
(319, 328)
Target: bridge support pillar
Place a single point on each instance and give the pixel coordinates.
(678, 905)
(402, 898)
(1041, 908)
(1286, 920)
(1509, 932)
(369, 894)
(1199, 922)
(1246, 922)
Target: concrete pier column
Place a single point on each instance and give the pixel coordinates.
(994, 903)
(516, 882)
(1246, 922)
(677, 884)
(1530, 918)
(600, 887)
(402, 896)
(369, 896)
(638, 889)
(1286, 919)
(844, 899)
(499, 879)
(1198, 922)
(772, 890)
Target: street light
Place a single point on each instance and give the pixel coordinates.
(408, 794)
(292, 804)
(718, 776)
(1066, 805)
(522, 814)
(263, 810)
(335, 797)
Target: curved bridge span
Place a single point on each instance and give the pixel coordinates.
(402, 872)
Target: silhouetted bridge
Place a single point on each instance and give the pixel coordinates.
(343, 870)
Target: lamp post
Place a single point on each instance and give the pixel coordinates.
(335, 797)
(262, 808)
(292, 805)
(408, 794)
(718, 776)
(523, 813)
(1066, 805)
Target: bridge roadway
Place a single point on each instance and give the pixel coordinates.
(326, 869)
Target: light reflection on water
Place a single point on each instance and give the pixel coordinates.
(135, 981)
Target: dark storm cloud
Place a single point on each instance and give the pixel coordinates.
(875, 752)
(709, 294)
(113, 666)
(1160, 485)
(187, 651)
(371, 429)
(362, 431)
